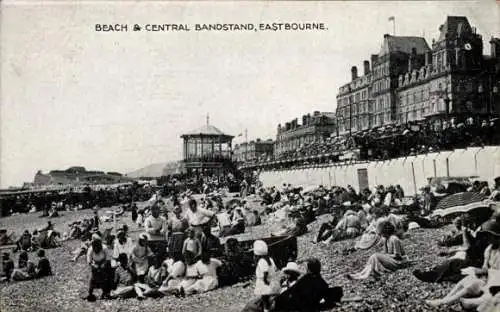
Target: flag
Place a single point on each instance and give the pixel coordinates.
(391, 19)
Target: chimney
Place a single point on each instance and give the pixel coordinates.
(354, 72)
(308, 118)
(428, 58)
(495, 47)
(366, 65)
(374, 58)
(304, 120)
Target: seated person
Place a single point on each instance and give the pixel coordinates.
(235, 267)
(176, 270)
(474, 284)
(296, 228)
(290, 275)
(154, 279)
(237, 222)
(25, 270)
(207, 279)
(310, 293)
(24, 242)
(326, 230)
(178, 285)
(347, 227)
(124, 280)
(455, 236)
(469, 254)
(43, 267)
(392, 259)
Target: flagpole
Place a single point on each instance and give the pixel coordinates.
(246, 144)
(394, 26)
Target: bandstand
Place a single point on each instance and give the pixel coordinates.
(207, 149)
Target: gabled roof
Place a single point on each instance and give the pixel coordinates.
(206, 130)
(403, 44)
(453, 25)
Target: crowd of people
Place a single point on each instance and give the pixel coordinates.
(51, 201)
(26, 269)
(179, 251)
(176, 254)
(400, 140)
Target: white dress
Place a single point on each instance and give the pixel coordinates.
(261, 288)
(209, 276)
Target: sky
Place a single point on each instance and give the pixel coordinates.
(70, 95)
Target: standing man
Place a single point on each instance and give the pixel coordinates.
(156, 229)
(198, 217)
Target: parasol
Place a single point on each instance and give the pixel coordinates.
(460, 199)
(461, 203)
(476, 207)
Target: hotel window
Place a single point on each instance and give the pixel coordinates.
(470, 86)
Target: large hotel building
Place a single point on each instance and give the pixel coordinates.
(410, 81)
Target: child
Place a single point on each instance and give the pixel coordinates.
(266, 283)
(43, 268)
(140, 257)
(156, 274)
(192, 244)
(124, 281)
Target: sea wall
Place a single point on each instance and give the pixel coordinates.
(410, 172)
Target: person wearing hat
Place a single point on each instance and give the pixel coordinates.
(121, 245)
(139, 258)
(266, 283)
(392, 259)
(310, 293)
(291, 273)
(97, 259)
(474, 282)
(176, 226)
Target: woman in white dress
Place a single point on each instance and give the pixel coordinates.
(392, 259)
(207, 269)
(267, 280)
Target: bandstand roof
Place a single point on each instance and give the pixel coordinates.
(206, 130)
